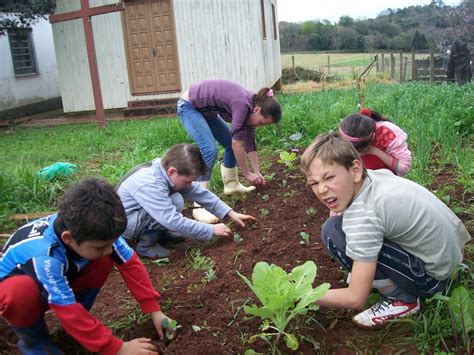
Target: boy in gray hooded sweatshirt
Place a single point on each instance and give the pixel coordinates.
(153, 195)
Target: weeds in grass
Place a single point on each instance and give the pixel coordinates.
(205, 263)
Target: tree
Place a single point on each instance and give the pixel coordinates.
(460, 22)
(346, 21)
(23, 14)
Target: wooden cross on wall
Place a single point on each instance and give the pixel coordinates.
(85, 13)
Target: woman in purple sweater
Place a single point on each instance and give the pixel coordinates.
(205, 109)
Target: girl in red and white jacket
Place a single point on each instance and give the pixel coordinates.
(381, 144)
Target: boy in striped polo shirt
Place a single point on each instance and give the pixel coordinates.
(389, 232)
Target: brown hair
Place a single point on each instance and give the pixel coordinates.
(269, 105)
(186, 158)
(92, 210)
(330, 148)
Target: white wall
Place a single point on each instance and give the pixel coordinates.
(216, 38)
(18, 91)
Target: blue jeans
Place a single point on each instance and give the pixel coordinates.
(404, 269)
(204, 132)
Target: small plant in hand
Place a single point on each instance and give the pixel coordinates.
(288, 159)
(284, 297)
(304, 237)
(171, 328)
(237, 238)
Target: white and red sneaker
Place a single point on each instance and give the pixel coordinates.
(384, 310)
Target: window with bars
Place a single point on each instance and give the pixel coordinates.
(23, 56)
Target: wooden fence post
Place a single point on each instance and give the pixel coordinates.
(401, 66)
(329, 65)
(377, 69)
(392, 66)
(383, 65)
(432, 66)
(413, 65)
(405, 69)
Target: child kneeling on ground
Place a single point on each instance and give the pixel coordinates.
(62, 261)
(389, 232)
(153, 195)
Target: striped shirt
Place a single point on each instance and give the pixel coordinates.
(391, 207)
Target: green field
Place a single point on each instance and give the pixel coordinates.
(347, 64)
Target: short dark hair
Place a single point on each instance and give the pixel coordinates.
(330, 148)
(186, 158)
(92, 210)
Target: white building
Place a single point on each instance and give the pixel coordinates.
(154, 49)
(28, 71)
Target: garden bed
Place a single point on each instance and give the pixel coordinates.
(285, 207)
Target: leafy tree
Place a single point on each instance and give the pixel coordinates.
(308, 27)
(23, 14)
(346, 21)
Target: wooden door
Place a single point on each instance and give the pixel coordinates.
(150, 38)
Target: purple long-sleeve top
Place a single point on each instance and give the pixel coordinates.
(230, 101)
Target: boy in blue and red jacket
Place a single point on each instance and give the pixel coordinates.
(62, 261)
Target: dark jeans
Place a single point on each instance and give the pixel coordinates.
(404, 269)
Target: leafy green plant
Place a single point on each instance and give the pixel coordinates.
(288, 159)
(264, 212)
(265, 197)
(270, 177)
(304, 237)
(171, 328)
(311, 211)
(461, 312)
(237, 238)
(199, 261)
(209, 276)
(283, 296)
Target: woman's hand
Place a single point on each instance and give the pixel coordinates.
(255, 179)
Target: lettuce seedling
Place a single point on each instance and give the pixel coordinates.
(283, 297)
(304, 237)
(171, 328)
(288, 159)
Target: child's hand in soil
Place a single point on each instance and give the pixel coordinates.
(157, 317)
(138, 346)
(240, 218)
(222, 230)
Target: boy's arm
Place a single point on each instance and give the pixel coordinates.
(138, 282)
(75, 319)
(355, 296)
(87, 330)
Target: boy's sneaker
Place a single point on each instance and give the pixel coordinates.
(385, 310)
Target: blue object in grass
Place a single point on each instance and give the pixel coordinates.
(57, 170)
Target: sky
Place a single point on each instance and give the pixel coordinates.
(332, 10)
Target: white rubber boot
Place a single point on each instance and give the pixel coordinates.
(231, 182)
(201, 214)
